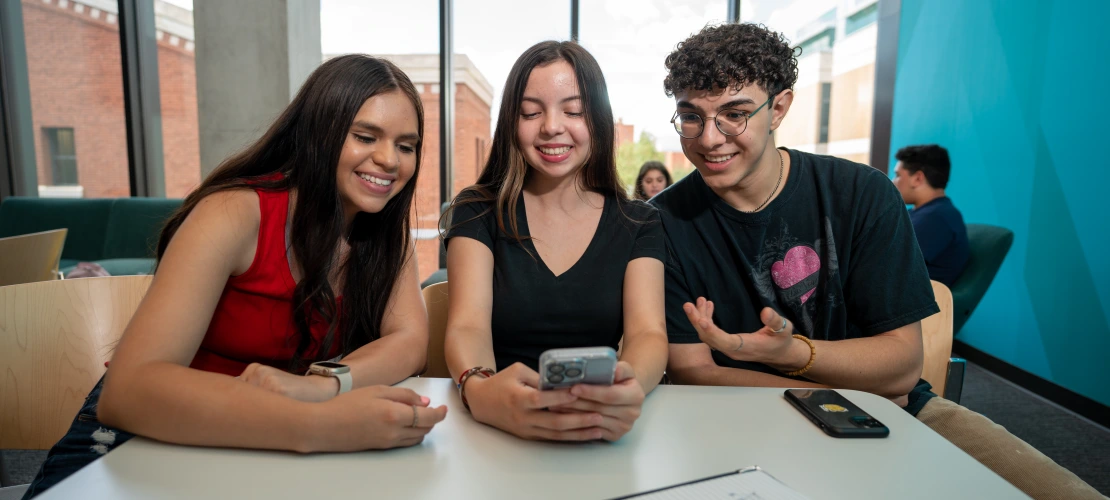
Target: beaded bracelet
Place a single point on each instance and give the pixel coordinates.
(477, 370)
(812, 357)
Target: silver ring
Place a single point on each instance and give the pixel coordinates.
(741, 343)
(783, 327)
(415, 417)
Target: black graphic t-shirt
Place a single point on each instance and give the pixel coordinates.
(835, 253)
(534, 310)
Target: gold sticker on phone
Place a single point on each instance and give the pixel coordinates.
(833, 408)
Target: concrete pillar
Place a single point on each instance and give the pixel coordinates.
(251, 57)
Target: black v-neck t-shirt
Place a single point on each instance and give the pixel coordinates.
(534, 310)
(834, 253)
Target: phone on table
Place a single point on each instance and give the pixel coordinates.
(560, 368)
(835, 415)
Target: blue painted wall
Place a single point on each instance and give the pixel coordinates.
(1019, 93)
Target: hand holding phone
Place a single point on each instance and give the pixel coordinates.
(835, 415)
(560, 368)
(511, 401)
(606, 386)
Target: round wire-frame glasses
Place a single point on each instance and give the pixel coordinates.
(690, 125)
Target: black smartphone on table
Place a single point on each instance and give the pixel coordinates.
(835, 415)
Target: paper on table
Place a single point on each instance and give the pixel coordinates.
(752, 483)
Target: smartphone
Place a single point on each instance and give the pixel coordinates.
(835, 415)
(585, 365)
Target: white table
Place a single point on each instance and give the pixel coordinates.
(684, 433)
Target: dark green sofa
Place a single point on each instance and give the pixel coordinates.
(120, 234)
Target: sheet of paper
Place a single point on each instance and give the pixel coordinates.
(749, 484)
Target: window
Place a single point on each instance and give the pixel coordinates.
(861, 19)
(826, 96)
(821, 41)
(406, 33)
(630, 40)
(62, 156)
(76, 78)
(489, 36)
(177, 86)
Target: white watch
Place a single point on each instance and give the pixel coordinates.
(340, 371)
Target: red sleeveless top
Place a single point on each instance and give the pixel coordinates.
(253, 321)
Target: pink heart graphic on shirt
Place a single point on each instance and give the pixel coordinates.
(799, 263)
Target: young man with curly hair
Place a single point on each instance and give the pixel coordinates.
(789, 269)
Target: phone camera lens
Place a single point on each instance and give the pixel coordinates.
(555, 369)
(574, 372)
(555, 378)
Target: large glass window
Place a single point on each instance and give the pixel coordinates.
(631, 39)
(76, 83)
(406, 33)
(834, 96)
(177, 85)
(484, 55)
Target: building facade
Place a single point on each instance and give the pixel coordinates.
(833, 98)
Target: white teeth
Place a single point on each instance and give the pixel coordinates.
(719, 159)
(375, 180)
(555, 151)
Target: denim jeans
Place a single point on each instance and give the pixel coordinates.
(85, 441)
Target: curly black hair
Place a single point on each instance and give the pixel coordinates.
(732, 56)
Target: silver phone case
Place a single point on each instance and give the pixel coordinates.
(561, 368)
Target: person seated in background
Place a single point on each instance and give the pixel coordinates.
(315, 213)
(652, 179)
(921, 176)
(546, 251)
(815, 256)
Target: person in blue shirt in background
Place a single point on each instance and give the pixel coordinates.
(921, 176)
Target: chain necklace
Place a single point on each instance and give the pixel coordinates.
(781, 168)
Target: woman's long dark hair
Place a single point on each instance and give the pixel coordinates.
(648, 166)
(304, 146)
(502, 178)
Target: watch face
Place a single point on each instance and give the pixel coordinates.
(329, 364)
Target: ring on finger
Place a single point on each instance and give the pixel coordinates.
(415, 417)
(781, 328)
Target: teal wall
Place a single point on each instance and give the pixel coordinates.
(1019, 93)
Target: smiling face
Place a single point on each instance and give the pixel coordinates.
(725, 160)
(551, 130)
(379, 153)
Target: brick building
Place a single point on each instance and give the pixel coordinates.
(76, 81)
(75, 75)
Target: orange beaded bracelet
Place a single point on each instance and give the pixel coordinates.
(812, 357)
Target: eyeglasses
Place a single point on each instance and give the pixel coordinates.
(690, 125)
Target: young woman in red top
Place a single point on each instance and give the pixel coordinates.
(294, 251)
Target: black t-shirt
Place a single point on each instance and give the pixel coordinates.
(834, 253)
(534, 310)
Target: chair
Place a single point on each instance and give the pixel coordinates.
(989, 246)
(435, 296)
(54, 339)
(940, 370)
(440, 275)
(31, 257)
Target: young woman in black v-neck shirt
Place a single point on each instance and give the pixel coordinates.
(547, 251)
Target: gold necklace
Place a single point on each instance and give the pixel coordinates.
(782, 167)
